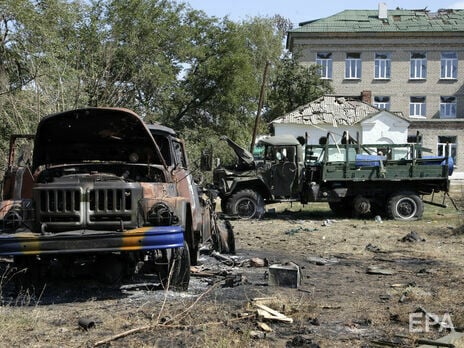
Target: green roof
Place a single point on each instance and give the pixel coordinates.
(368, 21)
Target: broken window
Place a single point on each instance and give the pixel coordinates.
(447, 107)
(324, 61)
(382, 102)
(418, 65)
(353, 66)
(417, 107)
(449, 65)
(382, 65)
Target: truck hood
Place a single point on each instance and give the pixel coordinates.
(94, 134)
(244, 156)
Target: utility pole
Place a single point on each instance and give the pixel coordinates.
(260, 106)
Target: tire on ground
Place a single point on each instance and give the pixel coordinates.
(176, 274)
(405, 205)
(246, 204)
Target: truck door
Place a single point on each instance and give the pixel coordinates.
(283, 170)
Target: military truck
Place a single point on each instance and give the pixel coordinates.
(99, 187)
(357, 180)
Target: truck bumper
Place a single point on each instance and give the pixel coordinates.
(139, 239)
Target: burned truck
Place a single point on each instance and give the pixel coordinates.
(98, 186)
(354, 179)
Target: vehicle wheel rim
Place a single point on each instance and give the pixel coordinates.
(406, 208)
(246, 208)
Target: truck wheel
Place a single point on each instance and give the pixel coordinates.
(361, 206)
(223, 238)
(175, 274)
(246, 204)
(405, 206)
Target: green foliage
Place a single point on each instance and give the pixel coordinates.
(166, 61)
(293, 85)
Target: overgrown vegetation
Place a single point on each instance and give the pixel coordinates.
(166, 61)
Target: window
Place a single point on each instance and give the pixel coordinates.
(179, 154)
(449, 65)
(382, 102)
(353, 66)
(447, 107)
(447, 146)
(382, 65)
(324, 60)
(417, 107)
(418, 65)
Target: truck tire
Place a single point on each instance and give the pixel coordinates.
(405, 205)
(362, 206)
(246, 204)
(175, 275)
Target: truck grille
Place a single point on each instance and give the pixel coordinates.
(60, 205)
(110, 205)
(99, 207)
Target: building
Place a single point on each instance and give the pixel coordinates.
(337, 115)
(410, 62)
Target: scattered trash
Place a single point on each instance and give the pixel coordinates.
(328, 222)
(378, 219)
(373, 248)
(286, 275)
(234, 280)
(264, 326)
(292, 231)
(254, 334)
(86, 323)
(258, 262)
(224, 259)
(385, 297)
(381, 271)
(412, 237)
(265, 312)
(321, 261)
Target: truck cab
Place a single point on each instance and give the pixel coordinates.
(104, 187)
(272, 174)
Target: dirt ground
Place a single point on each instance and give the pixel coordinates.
(364, 283)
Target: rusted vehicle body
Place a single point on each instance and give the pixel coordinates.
(105, 187)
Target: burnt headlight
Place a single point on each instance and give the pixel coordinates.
(161, 215)
(13, 219)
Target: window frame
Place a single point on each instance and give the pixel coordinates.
(325, 64)
(448, 109)
(382, 104)
(418, 66)
(448, 66)
(418, 106)
(452, 146)
(382, 66)
(353, 66)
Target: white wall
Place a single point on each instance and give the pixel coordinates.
(384, 129)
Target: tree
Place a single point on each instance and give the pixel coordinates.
(293, 85)
(163, 59)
